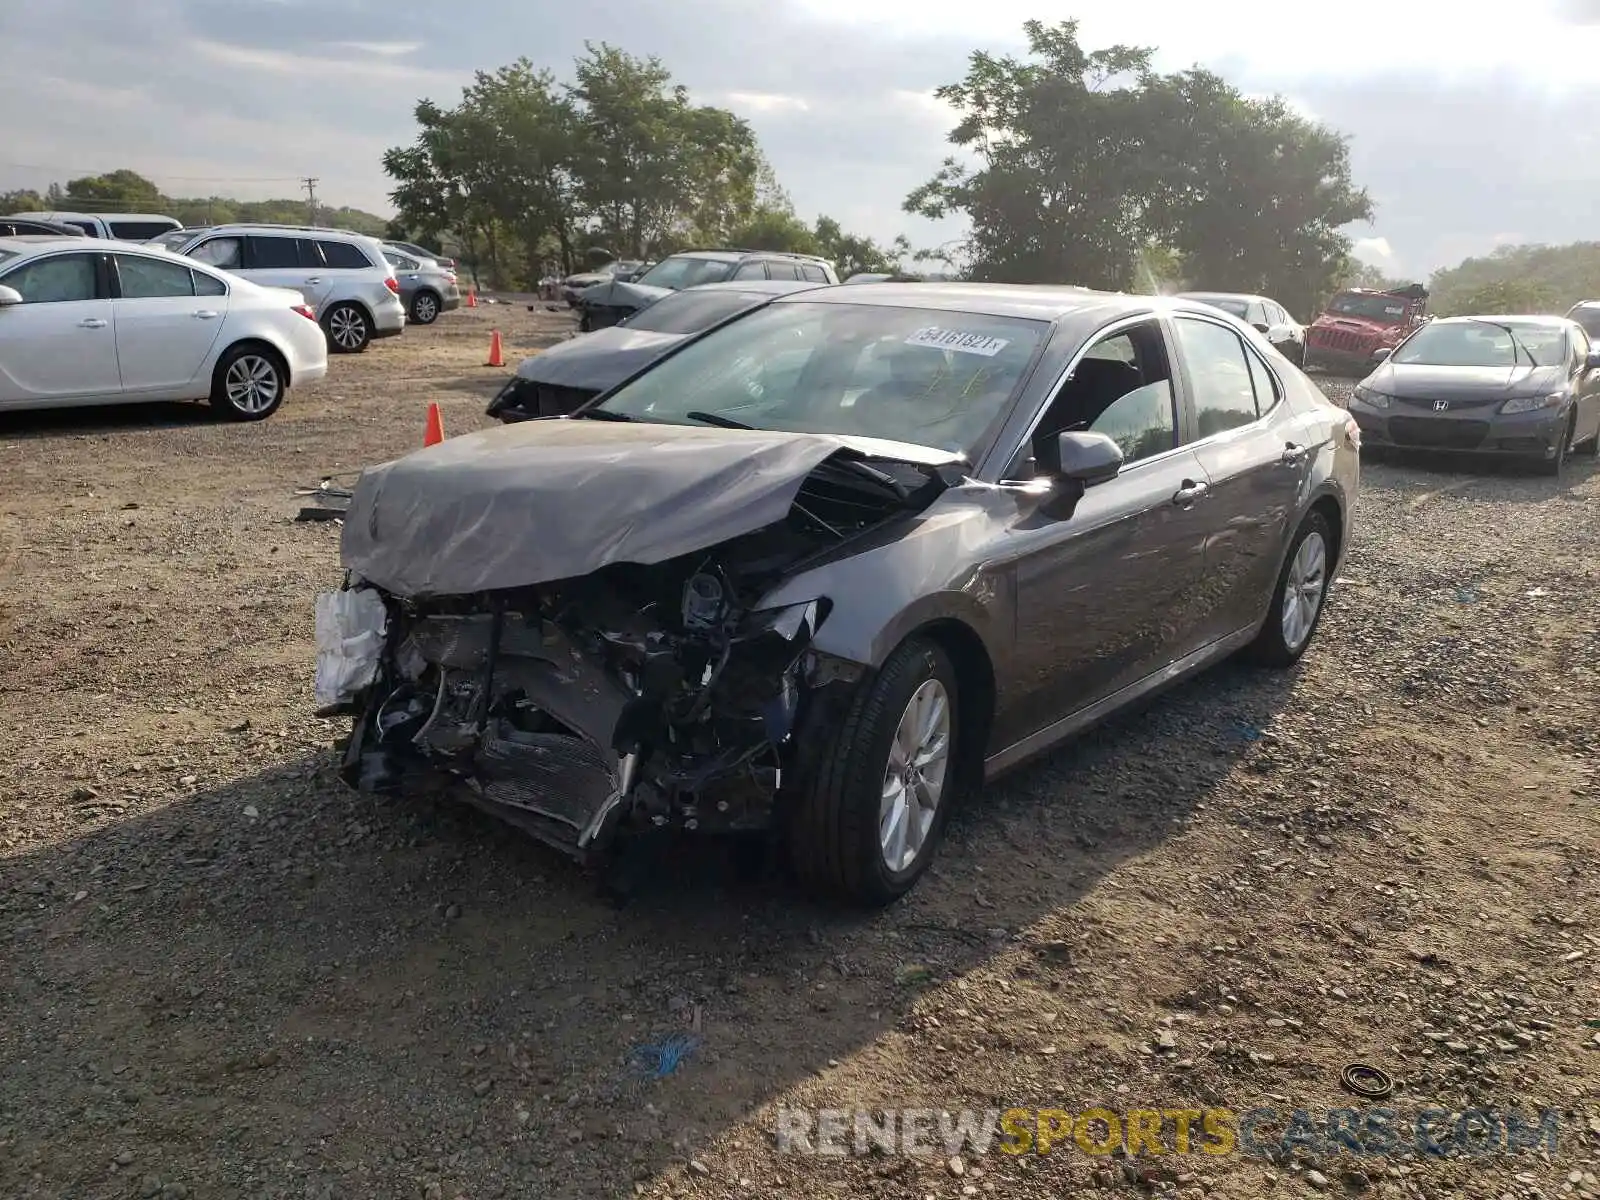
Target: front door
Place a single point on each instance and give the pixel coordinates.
(60, 342)
(165, 331)
(1256, 455)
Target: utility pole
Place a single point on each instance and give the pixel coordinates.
(311, 198)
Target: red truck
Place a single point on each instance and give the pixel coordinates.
(1359, 322)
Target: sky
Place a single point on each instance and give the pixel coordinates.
(1471, 124)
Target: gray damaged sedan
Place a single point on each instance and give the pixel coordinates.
(1523, 387)
(825, 569)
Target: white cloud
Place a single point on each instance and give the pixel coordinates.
(386, 49)
(763, 102)
(1374, 250)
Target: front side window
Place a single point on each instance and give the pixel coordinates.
(1219, 376)
(138, 231)
(932, 378)
(678, 273)
(1588, 317)
(88, 227)
(61, 279)
(149, 278)
(224, 253)
(751, 270)
(782, 270)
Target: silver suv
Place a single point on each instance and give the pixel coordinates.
(342, 274)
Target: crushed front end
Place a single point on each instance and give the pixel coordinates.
(634, 698)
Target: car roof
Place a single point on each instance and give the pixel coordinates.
(1518, 318)
(23, 242)
(1030, 301)
(1220, 296)
(773, 287)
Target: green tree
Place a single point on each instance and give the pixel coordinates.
(1502, 296)
(122, 187)
(1088, 159)
(22, 200)
(1536, 278)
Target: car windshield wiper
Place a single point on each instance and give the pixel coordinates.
(603, 414)
(717, 419)
(1516, 343)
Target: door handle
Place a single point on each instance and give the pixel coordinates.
(1189, 493)
(314, 279)
(205, 314)
(1294, 455)
(91, 323)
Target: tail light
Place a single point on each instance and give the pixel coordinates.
(1352, 431)
(305, 311)
(392, 284)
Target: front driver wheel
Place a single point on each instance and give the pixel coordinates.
(1297, 600)
(872, 820)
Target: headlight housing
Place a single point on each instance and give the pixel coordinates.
(1534, 403)
(1371, 398)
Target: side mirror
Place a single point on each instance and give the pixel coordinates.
(1381, 353)
(1592, 361)
(1081, 458)
(9, 296)
(1261, 326)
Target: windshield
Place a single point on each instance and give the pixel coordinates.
(1479, 344)
(1228, 304)
(932, 378)
(692, 311)
(1369, 307)
(680, 273)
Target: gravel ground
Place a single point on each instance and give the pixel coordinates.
(225, 975)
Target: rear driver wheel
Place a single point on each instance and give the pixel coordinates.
(1297, 600)
(348, 329)
(249, 383)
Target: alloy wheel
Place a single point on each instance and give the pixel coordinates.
(252, 384)
(1303, 589)
(347, 327)
(425, 309)
(914, 777)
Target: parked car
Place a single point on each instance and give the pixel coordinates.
(25, 226)
(416, 251)
(562, 377)
(572, 285)
(1265, 315)
(112, 322)
(1360, 323)
(343, 275)
(1528, 387)
(1587, 314)
(829, 565)
(130, 227)
(426, 288)
(607, 303)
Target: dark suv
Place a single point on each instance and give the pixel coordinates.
(607, 303)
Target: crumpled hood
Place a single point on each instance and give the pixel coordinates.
(598, 359)
(545, 500)
(1423, 381)
(617, 294)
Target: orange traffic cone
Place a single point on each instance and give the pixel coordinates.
(472, 297)
(496, 358)
(435, 430)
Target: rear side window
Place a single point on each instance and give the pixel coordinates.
(149, 278)
(782, 270)
(1219, 376)
(1266, 387)
(208, 285)
(58, 280)
(275, 253)
(750, 270)
(813, 274)
(226, 253)
(344, 255)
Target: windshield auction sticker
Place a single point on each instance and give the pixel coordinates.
(935, 338)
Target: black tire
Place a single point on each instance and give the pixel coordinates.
(238, 381)
(348, 328)
(585, 325)
(425, 307)
(1272, 647)
(1554, 466)
(832, 829)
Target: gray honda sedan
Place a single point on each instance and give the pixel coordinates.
(1524, 387)
(825, 568)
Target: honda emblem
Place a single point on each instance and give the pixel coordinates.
(1440, 405)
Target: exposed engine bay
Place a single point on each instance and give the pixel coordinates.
(637, 696)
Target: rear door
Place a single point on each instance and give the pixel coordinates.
(59, 343)
(168, 318)
(278, 260)
(1257, 458)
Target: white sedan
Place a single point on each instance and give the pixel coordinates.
(108, 322)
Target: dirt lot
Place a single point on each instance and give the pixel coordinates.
(224, 975)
